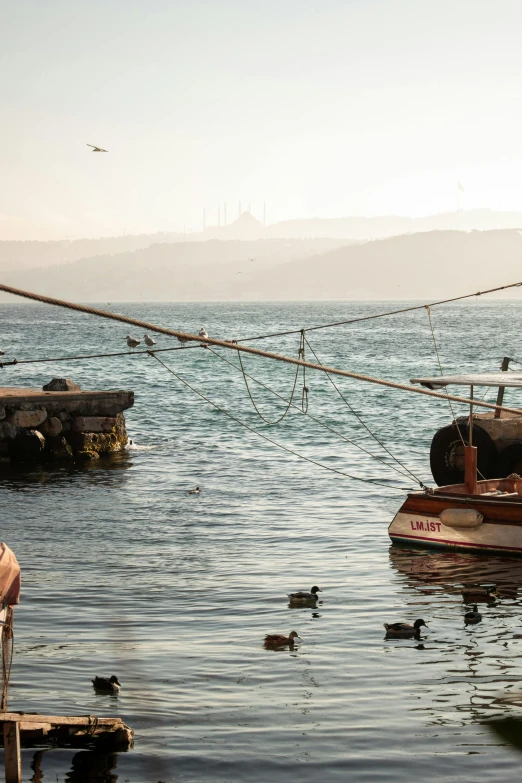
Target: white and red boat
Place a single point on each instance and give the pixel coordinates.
(474, 516)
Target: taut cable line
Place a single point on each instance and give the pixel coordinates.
(274, 442)
(235, 346)
(385, 314)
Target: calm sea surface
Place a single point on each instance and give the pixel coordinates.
(125, 573)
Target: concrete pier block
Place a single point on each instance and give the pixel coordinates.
(93, 424)
(68, 424)
(7, 430)
(61, 384)
(52, 427)
(27, 418)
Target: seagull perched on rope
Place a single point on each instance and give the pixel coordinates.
(132, 342)
(97, 149)
(203, 333)
(149, 341)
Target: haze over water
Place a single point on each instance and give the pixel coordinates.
(125, 573)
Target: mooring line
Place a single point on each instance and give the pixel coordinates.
(233, 345)
(321, 423)
(273, 442)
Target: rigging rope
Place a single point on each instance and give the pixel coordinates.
(245, 378)
(385, 314)
(455, 423)
(320, 422)
(7, 655)
(273, 442)
(92, 356)
(360, 420)
(231, 344)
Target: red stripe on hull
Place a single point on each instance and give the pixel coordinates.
(453, 544)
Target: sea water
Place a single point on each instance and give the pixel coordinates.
(126, 573)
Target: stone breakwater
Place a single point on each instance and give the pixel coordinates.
(61, 422)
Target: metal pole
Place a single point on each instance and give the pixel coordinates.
(470, 439)
(500, 396)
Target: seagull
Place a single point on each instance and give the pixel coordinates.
(97, 149)
(183, 340)
(132, 342)
(203, 333)
(149, 341)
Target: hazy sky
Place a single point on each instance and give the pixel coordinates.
(324, 108)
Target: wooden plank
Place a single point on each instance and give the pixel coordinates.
(60, 720)
(12, 756)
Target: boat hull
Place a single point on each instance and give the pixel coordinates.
(418, 523)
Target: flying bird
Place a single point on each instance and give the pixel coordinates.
(132, 342)
(97, 149)
(149, 341)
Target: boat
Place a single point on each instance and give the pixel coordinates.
(478, 515)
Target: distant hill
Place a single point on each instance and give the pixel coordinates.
(415, 266)
(182, 270)
(361, 228)
(25, 255)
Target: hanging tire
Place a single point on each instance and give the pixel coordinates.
(510, 461)
(447, 454)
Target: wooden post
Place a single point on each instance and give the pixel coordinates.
(500, 396)
(12, 756)
(470, 469)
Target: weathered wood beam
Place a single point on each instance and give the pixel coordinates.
(12, 755)
(59, 720)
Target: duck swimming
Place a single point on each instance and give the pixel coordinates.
(278, 640)
(107, 684)
(475, 594)
(404, 630)
(302, 597)
(473, 617)
(194, 491)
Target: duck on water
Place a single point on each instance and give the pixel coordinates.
(107, 684)
(303, 597)
(404, 630)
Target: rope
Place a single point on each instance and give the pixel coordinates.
(273, 442)
(385, 314)
(7, 656)
(455, 423)
(360, 420)
(245, 378)
(320, 422)
(92, 356)
(442, 371)
(254, 351)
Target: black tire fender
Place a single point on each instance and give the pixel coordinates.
(446, 446)
(510, 460)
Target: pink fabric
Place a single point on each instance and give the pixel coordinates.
(10, 578)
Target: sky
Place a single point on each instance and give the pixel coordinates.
(317, 109)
